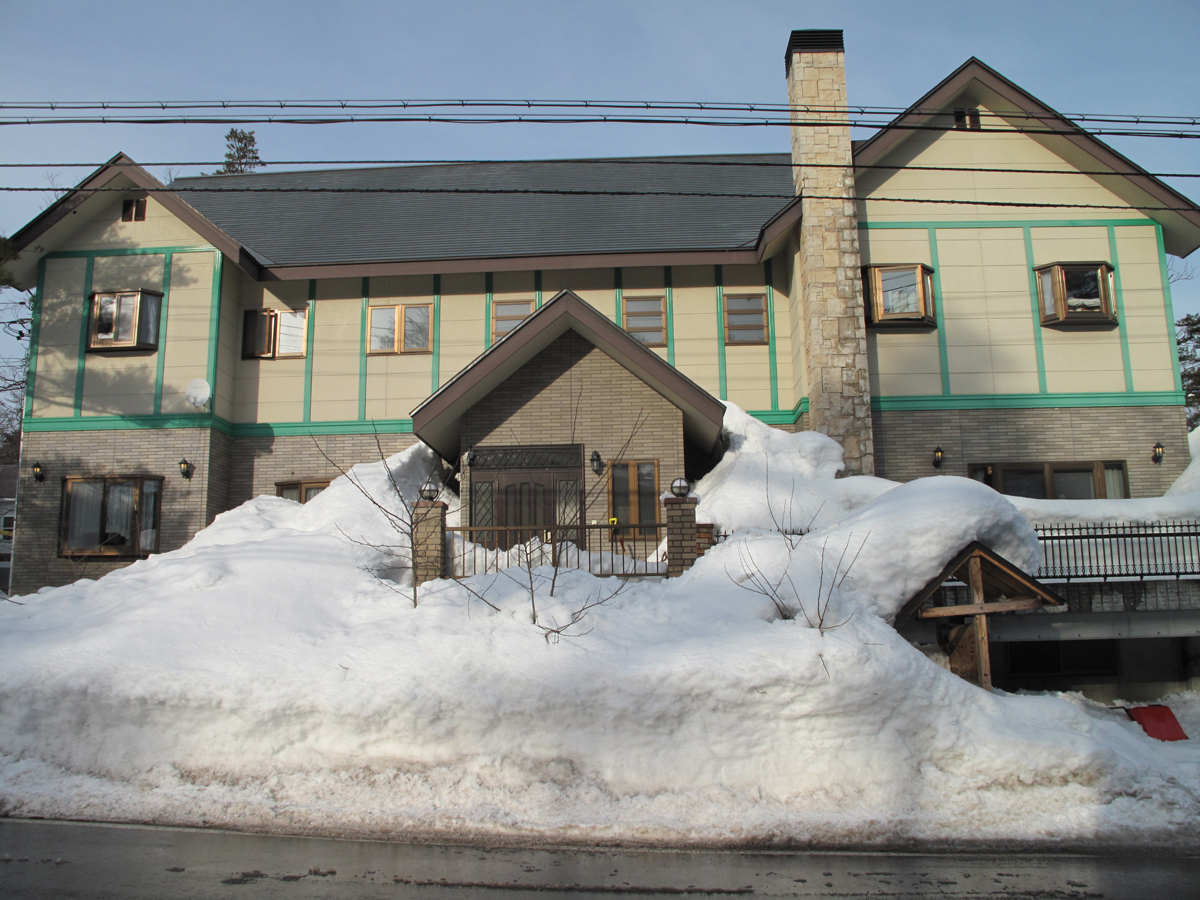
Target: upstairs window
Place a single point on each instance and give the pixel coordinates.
(1105, 479)
(300, 491)
(507, 315)
(1076, 293)
(899, 295)
(400, 329)
(646, 320)
(124, 320)
(133, 210)
(274, 333)
(746, 319)
(967, 120)
(111, 516)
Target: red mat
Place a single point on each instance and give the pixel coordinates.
(1158, 722)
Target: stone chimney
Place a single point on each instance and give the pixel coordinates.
(830, 275)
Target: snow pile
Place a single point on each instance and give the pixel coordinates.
(274, 674)
(1189, 481)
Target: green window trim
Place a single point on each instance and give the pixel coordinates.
(772, 367)
(161, 361)
(35, 330)
(1165, 276)
(719, 287)
(214, 321)
(311, 325)
(362, 350)
(1119, 307)
(938, 312)
(618, 297)
(83, 335)
(435, 335)
(1039, 353)
(1028, 401)
(669, 289)
(487, 310)
(208, 420)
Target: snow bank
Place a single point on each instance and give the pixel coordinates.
(274, 674)
(1189, 480)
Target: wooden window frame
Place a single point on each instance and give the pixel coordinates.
(517, 320)
(635, 330)
(95, 342)
(132, 551)
(634, 506)
(133, 210)
(994, 473)
(269, 348)
(398, 336)
(967, 120)
(1062, 314)
(301, 486)
(731, 330)
(873, 289)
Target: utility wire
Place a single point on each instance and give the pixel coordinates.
(585, 193)
(648, 105)
(585, 162)
(489, 119)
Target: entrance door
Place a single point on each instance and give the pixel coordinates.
(527, 491)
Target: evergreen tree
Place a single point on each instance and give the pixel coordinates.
(1187, 335)
(241, 153)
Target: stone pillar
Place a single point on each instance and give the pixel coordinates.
(429, 541)
(681, 534)
(830, 274)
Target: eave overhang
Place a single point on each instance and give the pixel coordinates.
(438, 420)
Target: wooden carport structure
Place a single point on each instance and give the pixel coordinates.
(996, 586)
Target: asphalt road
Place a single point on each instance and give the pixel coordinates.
(67, 860)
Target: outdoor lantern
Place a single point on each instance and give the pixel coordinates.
(470, 458)
(597, 463)
(38, 474)
(938, 454)
(429, 490)
(1158, 452)
(680, 487)
(186, 469)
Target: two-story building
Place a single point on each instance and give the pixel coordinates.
(981, 276)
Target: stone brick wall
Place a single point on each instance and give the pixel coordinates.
(573, 393)
(830, 285)
(904, 440)
(185, 510)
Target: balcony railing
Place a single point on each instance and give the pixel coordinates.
(1103, 550)
(600, 549)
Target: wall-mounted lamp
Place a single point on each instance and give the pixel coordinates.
(186, 469)
(1157, 455)
(938, 455)
(680, 487)
(430, 490)
(470, 458)
(38, 474)
(597, 463)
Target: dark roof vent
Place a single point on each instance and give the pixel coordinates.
(815, 40)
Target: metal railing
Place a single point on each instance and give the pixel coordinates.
(1119, 550)
(599, 549)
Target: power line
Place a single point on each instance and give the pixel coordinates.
(585, 162)
(586, 193)
(694, 105)
(481, 119)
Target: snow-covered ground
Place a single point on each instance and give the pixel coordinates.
(275, 674)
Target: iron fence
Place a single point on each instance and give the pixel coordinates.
(1119, 550)
(599, 549)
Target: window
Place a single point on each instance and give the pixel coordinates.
(6, 527)
(274, 333)
(133, 211)
(112, 516)
(646, 320)
(633, 494)
(1076, 293)
(300, 491)
(507, 315)
(967, 120)
(899, 295)
(746, 319)
(400, 329)
(124, 320)
(1056, 481)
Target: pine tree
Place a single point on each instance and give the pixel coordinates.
(1187, 335)
(241, 154)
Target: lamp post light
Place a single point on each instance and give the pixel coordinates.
(680, 487)
(430, 491)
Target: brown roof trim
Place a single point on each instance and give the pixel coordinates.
(513, 264)
(437, 420)
(103, 177)
(873, 149)
(776, 227)
(1009, 571)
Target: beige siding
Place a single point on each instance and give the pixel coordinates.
(270, 390)
(462, 327)
(782, 329)
(337, 343)
(696, 328)
(1144, 315)
(106, 231)
(229, 340)
(58, 341)
(398, 382)
(648, 282)
(596, 286)
(189, 317)
(747, 368)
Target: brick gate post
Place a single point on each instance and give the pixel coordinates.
(681, 534)
(428, 540)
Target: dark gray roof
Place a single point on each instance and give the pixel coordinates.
(327, 228)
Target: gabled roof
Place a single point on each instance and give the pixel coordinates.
(438, 420)
(1181, 230)
(1000, 578)
(123, 172)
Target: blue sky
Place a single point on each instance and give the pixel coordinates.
(1085, 57)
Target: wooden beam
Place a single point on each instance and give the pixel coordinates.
(983, 656)
(982, 609)
(975, 579)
